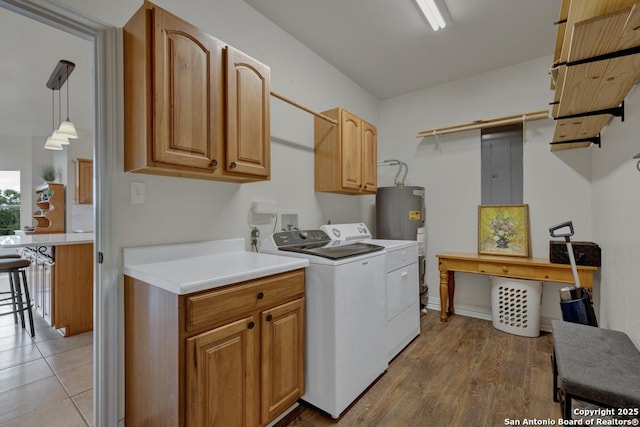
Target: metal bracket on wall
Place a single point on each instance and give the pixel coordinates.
(603, 57)
(593, 140)
(615, 111)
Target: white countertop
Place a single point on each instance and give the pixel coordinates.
(190, 267)
(58, 239)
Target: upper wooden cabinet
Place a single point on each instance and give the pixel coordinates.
(345, 154)
(248, 122)
(595, 66)
(83, 169)
(194, 107)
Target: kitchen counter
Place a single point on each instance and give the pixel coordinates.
(190, 267)
(58, 239)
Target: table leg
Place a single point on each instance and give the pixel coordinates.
(444, 290)
(451, 284)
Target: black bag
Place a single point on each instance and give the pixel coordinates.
(585, 253)
(579, 309)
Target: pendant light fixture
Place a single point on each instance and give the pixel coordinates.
(67, 127)
(52, 143)
(57, 135)
(66, 130)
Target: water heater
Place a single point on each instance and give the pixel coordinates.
(400, 215)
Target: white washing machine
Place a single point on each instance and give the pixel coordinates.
(402, 285)
(345, 315)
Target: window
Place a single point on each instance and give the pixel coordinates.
(501, 170)
(9, 202)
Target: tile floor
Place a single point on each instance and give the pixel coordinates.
(46, 380)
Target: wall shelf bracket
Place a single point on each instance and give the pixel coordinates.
(611, 55)
(615, 111)
(594, 140)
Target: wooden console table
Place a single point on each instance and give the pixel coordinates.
(539, 269)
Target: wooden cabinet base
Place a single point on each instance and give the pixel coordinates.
(228, 356)
(73, 288)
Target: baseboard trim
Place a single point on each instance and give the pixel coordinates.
(484, 313)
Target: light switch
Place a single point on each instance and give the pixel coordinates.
(137, 193)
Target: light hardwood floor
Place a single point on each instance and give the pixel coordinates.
(46, 380)
(460, 373)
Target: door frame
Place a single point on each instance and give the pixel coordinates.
(107, 132)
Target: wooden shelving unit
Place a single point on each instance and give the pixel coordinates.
(596, 63)
(50, 216)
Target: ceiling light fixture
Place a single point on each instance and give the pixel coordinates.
(66, 130)
(57, 135)
(52, 143)
(67, 127)
(432, 13)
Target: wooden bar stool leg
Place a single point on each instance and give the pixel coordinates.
(26, 294)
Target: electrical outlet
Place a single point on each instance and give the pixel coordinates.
(137, 193)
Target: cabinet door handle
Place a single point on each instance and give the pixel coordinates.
(269, 318)
(232, 165)
(260, 295)
(404, 275)
(213, 163)
(251, 325)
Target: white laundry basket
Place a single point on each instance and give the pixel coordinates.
(515, 305)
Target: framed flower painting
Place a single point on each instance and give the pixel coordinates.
(503, 230)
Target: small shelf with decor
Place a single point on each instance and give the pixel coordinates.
(50, 216)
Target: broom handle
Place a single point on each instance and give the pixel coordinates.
(572, 260)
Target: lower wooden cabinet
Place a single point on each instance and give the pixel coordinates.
(221, 375)
(231, 356)
(282, 346)
(61, 286)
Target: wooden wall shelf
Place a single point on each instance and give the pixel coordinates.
(50, 217)
(595, 66)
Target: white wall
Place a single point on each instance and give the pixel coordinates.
(556, 186)
(616, 220)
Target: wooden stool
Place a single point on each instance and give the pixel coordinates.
(15, 267)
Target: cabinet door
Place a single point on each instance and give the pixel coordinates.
(248, 120)
(187, 87)
(369, 157)
(72, 288)
(221, 376)
(351, 150)
(282, 357)
(84, 181)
